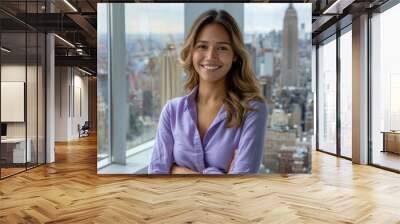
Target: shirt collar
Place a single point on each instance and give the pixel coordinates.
(190, 99)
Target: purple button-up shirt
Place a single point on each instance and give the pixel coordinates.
(178, 140)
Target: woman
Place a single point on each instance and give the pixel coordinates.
(219, 126)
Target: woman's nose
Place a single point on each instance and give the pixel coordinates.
(211, 53)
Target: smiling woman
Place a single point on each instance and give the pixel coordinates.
(219, 127)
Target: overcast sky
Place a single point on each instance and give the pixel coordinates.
(145, 18)
(264, 17)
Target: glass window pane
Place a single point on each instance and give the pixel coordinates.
(154, 72)
(152, 47)
(346, 94)
(103, 138)
(327, 97)
(386, 89)
(314, 89)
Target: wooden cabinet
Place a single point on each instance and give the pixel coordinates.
(391, 142)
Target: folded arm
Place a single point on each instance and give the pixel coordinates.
(248, 157)
(162, 157)
(250, 151)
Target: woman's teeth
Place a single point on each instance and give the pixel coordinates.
(211, 67)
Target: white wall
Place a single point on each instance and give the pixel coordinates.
(15, 73)
(12, 101)
(70, 83)
(79, 117)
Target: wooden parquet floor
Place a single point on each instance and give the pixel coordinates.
(70, 191)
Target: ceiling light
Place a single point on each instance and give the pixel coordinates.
(65, 41)
(5, 50)
(70, 5)
(86, 72)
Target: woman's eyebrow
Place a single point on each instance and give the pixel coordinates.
(206, 42)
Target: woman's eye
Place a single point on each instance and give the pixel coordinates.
(223, 48)
(201, 47)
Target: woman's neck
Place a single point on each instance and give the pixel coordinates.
(211, 92)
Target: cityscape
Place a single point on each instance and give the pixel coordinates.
(281, 61)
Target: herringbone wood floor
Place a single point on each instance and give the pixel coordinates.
(70, 191)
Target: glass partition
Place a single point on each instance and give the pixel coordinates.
(14, 153)
(22, 91)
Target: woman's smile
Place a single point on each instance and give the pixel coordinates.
(211, 67)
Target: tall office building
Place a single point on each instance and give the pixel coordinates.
(267, 63)
(290, 53)
(171, 84)
(253, 53)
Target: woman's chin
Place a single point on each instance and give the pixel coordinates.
(211, 77)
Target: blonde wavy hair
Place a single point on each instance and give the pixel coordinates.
(241, 84)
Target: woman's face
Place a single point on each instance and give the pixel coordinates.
(212, 55)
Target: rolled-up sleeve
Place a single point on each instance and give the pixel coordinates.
(162, 157)
(250, 150)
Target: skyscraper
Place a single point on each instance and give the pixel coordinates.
(171, 70)
(290, 50)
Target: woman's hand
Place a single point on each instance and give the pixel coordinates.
(181, 170)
